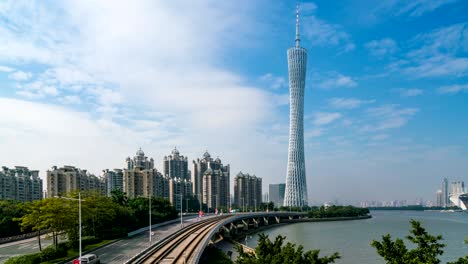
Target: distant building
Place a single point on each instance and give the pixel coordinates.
(440, 198)
(20, 184)
(176, 166)
(63, 180)
(215, 188)
(179, 187)
(266, 198)
(445, 193)
(276, 193)
(140, 178)
(247, 191)
(457, 187)
(200, 166)
(114, 180)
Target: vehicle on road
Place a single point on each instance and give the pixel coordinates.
(90, 259)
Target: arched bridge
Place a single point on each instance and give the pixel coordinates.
(187, 245)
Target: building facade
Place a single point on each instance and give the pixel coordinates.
(61, 181)
(200, 166)
(20, 184)
(276, 192)
(176, 166)
(114, 180)
(296, 185)
(215, 189)
(179, 191)
(247, 191)
(140, 178)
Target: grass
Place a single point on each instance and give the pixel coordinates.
(74, 252)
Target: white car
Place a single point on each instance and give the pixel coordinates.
(90, 259)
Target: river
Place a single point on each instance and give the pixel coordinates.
(352, 238)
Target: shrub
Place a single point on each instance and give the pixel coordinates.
(25, 259)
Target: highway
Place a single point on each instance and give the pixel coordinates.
(180, 247)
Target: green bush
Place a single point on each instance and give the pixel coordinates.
(50, 252)
(25, 259)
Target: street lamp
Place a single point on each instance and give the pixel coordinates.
(255, 201)
(79, 219)
(149, 219)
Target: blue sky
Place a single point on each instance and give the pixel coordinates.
(87, 83)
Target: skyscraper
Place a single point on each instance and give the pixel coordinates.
(445, 193)
(296, 187)
(276, 193)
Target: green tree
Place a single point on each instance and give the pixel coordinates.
(9, 210)
(119, 197)
(32, 219)
(426, 251)
(277, 252)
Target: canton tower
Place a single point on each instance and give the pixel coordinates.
(296, 187)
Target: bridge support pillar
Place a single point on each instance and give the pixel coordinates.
(265, 220)
(246, 224)
(277, 219)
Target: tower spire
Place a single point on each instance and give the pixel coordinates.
(297, 25)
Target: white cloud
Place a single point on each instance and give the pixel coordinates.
(20, 76)
(381, 48)
(413, 8)
(322, 118)
(321, 33)
(389, 117)
(348, 103)
(6, 69)
(337, 80)
(410, 92)
(453, 89)
(70, 100)
(275, 82)
(438, 53)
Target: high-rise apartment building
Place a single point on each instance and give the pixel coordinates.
(296, 186)
(215, 188)
(276, 193)
(247, 191)
(69, 178)
(20, 184)
(176, 166)
(114, 180)
(199, 167)
(140, 178)
(179, 191)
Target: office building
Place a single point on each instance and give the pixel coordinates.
(276, 193)
(114, 180)
(20, 184)
(61, 181)
(247, 191)
(296, 185)
(176, 166)
(457, 187)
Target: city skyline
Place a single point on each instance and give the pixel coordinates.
(384, 102)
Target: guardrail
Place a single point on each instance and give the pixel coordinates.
(20, 237)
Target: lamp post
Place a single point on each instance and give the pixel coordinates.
(255, 201)
(79, 219)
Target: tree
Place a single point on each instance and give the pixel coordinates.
(119, 197)
(427, 248)
(32, 219)
(276, 252)
(9, 210)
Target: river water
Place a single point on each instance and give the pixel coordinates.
(352, 238)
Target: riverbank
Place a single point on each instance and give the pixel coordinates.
(228, 247)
